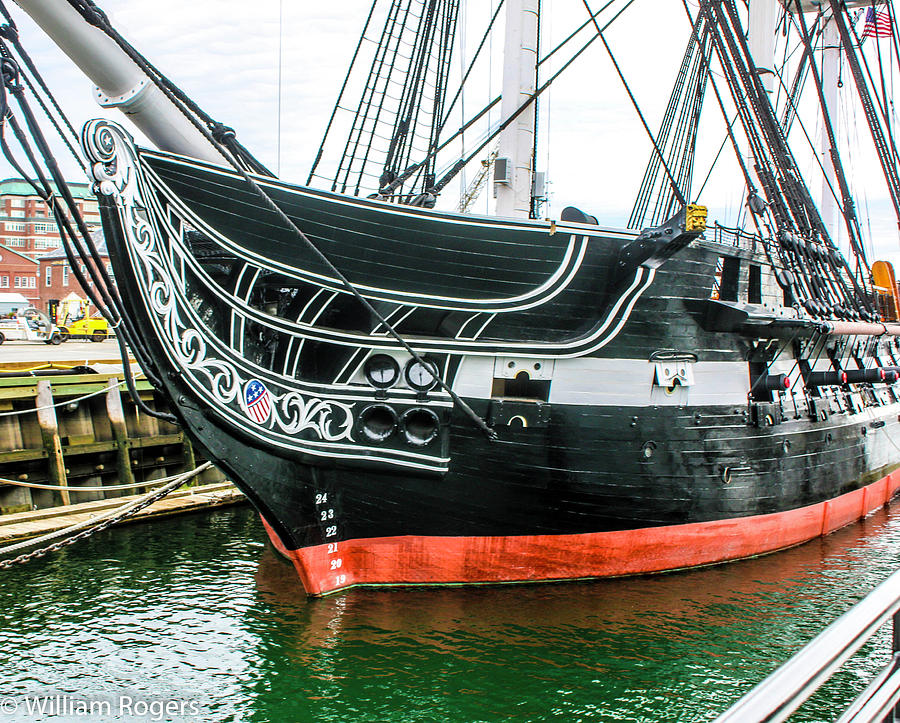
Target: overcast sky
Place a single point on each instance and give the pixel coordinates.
(224, 53)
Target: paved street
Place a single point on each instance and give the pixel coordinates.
(68, 351)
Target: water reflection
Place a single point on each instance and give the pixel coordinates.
(199, 607)
(679, 646)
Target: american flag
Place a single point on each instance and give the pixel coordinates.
(257, 398)
(878, 24)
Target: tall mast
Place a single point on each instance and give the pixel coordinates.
(830, 79)
(831, 58)
(761, 39)
(513, 167)
(761, 43)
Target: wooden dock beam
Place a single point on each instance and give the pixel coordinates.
(120, 431)
(46, 414)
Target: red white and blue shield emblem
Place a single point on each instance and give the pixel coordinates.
(258, 401)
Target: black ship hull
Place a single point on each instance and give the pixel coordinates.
(631, 433)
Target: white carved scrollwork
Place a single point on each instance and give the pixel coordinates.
(116, 168)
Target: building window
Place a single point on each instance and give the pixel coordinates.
(14, 241)
(4, 282)
(14, 226)
(44, 227)
(48, 275)
(32, 282)
(18, 203)
(47, 243)
(18, 282)
(109, 270)
(65, 281)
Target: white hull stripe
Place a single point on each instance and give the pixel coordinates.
(216, 375)
(552, 286)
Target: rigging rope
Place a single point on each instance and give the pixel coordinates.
(101, 290)
(337, 104)
(849, 210)
(10, 31)
(93, 488)
(11, 72)
(884, 143)
(74, 400)
(675, 188)
(822, 272)
(455, 169)
(683, 115)
(94, 524)
(402, 101)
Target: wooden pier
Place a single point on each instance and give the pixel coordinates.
(24, 525)
(67, 433)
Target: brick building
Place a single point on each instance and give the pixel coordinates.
(18, 273)
(55, 278)
(26, 224)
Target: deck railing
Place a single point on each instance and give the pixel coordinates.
(779, 695)
(734, 237)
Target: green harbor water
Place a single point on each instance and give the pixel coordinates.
(197, 611)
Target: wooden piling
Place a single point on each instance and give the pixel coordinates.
(97, 438)
(46, 414)
(120, 431)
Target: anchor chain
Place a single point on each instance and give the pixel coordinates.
(126, 512)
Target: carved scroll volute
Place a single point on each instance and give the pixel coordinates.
(111, 152)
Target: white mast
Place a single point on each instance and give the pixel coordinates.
(831, 58)
(830, 75)
(119, 82)
(761, 39)
(513, 167)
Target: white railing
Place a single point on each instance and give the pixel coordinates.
(779, 695)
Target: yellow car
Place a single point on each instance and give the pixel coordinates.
(96, 329)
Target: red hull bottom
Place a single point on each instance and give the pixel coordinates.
(421, 560)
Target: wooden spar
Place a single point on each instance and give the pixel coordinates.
(119, 82)
(859, 328)
(809, 6)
